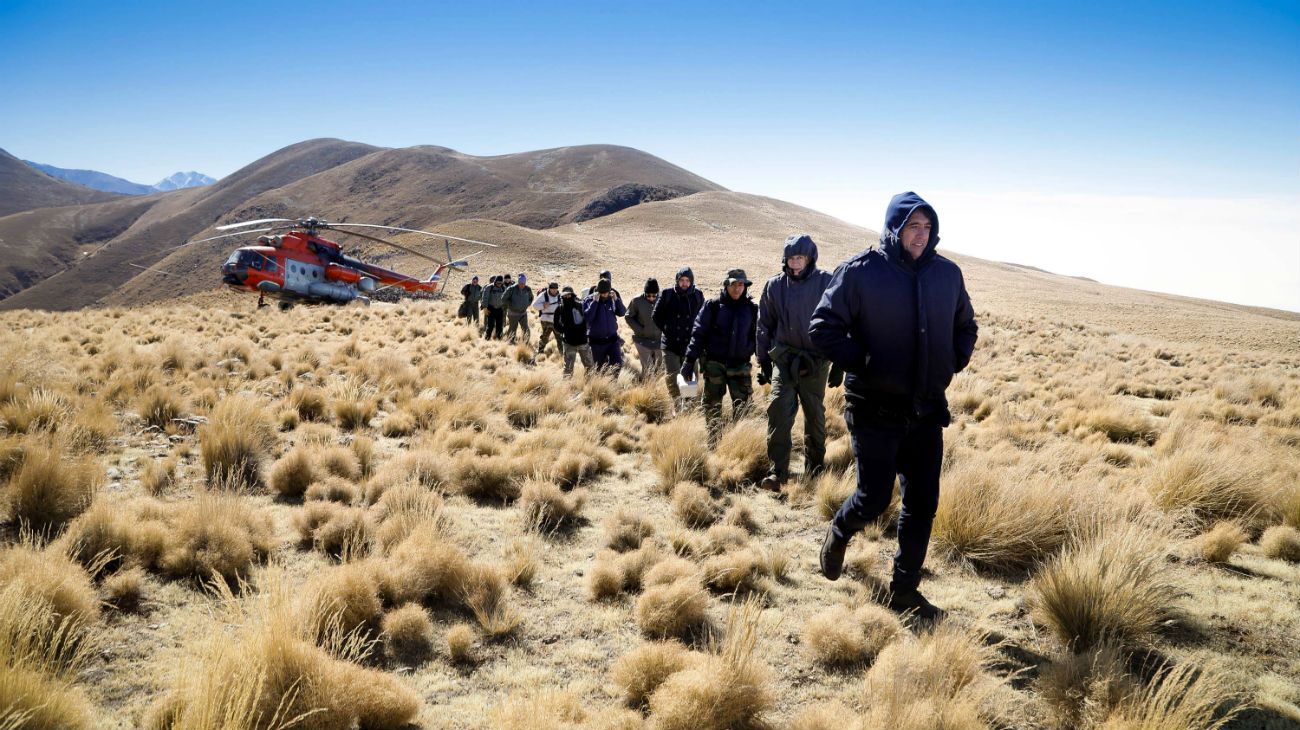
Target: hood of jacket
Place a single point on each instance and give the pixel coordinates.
(684, 271)
(900, 210)
(800, 244)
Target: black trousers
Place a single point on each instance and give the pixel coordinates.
(913, 453)
(494, 322)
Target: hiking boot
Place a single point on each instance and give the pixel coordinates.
(832, 557)
(912, 601)
(771, 483)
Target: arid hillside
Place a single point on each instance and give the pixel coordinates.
(333, 179)
(23, 187)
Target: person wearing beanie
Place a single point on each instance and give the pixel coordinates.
(674, 314)
(723, 339)
(646, 335)
(472, 292)
(603, 310)
(518, 298)
(547, 301)
(604, 276)
(571, 330)
(493, 304)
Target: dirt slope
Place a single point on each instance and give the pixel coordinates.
(23, 187)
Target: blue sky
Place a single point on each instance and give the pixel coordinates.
(1049, 134)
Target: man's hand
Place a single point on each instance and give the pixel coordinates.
(837, 377)
(688, 370)
(764, 373)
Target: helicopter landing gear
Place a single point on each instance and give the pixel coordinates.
(261, 301)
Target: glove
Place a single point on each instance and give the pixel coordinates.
(837, 377)
(764, 373)
(688, 370)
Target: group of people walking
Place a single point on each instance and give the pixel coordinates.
(892, 324)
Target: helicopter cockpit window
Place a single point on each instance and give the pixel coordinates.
(256, 262)
(234, 258)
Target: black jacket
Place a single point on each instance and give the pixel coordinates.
(899, 329)
(675, 313)
(570, 322)
(725, 330)
(786, 306)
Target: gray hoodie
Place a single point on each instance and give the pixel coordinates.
(640, 317)
(787, 303)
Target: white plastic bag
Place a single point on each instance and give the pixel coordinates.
(688, 388)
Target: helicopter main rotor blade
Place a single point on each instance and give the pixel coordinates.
(229, 235)
(412, 230)
(399, 247)
(229, 226)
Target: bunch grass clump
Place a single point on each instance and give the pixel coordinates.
(547, 508)
(235, 442)
(1281, 542)
(842, 636)
(679, 451)
(727, 688)
(641, 671)
(1002, 521)
(1218, 545)
(41, 654)
(47, 488)
(1109, 586)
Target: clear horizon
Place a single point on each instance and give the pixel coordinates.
(1151, 147)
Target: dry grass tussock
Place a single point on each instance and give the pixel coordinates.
(272, 674)
(41, 653)
(741, 455)
(673, 610)
(1003, 519)
(46, 487)
(728, 688)
(559, 710)
(641, 671)
(939, 679)
(1186, 697)
(1110, 586)
(546, 508)
(1211, 482)
(842, 636)
(1281, 542)
(235, 442)
(679, 451)
(1218, 545)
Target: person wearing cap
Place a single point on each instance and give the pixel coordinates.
(547, 301)
(789, 361)
(518, 298)
(493, 304)
(899, 322)
(472, 292)
(646, 336)
(674, 314)
(571, 329)
(602, 311)
(723, 340)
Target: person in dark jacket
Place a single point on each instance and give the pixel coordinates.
(517, 298)
(603, 310)
(571, 329)
(788, 359)
(493, 303)
(646, 336)
(899, 322)
(473, 292)
(674, 314)
(724, 339)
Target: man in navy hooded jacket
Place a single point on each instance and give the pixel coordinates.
(898, 321)
(675, 314)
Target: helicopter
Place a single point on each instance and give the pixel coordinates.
(294, 264)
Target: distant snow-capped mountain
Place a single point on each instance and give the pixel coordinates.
(184, 180)
(110, 184)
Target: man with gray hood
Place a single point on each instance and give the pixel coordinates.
(788, 359)
(899, 322)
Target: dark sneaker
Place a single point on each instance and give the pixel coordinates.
(832, 557)
(912, 601)
(771, 483)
